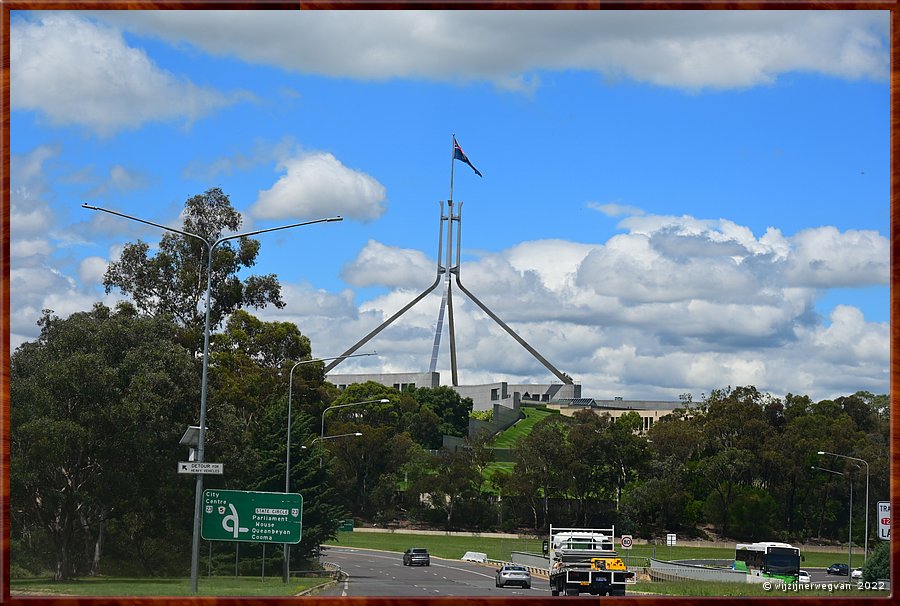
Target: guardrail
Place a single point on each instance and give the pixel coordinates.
(677, 571)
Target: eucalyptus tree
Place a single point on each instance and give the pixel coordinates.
(172, 282)
(98, 404)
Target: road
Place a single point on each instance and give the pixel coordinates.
(382, 573)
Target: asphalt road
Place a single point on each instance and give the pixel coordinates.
(382, 573)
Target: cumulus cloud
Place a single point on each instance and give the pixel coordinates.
(317, 185)
(30, 216)
(382, 265)
(674, 305)
(119, 179)
(92, 269)
(684, 49)
(74, 71)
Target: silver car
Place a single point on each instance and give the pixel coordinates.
(513, 574)
(416, 556)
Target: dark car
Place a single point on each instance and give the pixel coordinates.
(511, 574)
(416, 556)
(838, 569)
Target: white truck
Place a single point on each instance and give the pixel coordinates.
(584, 560)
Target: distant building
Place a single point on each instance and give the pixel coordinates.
(483, 396)
(555, 396)
(650, 410)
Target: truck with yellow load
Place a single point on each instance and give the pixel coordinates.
(584, 560)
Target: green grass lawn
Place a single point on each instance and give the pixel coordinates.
(509, 437)
(837, 588)
(206, 586)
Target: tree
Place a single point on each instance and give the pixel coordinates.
(724, 473)
(98, 404)
(454, 480)
(452, 409)
(322, 508)
(250, 362)
(878, 566)
(173, 281)
(540, 471)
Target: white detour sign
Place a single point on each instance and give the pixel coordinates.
(197, 467)
(884, 520)
(670, 540)
(627, 541)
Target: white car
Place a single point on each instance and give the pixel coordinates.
(856, 573)
(513, 574)
(803, 577)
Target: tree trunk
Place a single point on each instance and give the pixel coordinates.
(62, 561)
(98, 547)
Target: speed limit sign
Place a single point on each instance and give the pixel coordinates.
(626, 541)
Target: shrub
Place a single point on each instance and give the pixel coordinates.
(879, 565)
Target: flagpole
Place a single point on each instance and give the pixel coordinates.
(452, 157)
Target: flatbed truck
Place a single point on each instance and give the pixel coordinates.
(584, 560)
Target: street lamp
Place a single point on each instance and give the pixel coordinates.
(340, 435)
(201, 442)
(322, 432)
(850, 524)
(866, 539)
(287, 456)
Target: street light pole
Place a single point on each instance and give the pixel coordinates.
(322, 432)
(866, 538)
(849, 524)
(195, 546)
(287, 456)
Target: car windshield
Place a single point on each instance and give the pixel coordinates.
(419, 550)
(515, 568)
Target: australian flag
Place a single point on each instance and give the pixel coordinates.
(459, 154)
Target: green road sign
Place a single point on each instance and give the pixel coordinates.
(256, 517)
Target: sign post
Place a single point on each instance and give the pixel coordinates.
(884, 520)
(670, 542)
(255, 517)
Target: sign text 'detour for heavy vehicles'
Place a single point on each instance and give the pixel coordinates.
(257, 517)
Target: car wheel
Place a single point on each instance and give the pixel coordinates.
(528, 587)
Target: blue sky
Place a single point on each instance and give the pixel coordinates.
(671, 202)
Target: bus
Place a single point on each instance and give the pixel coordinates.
(768, 559)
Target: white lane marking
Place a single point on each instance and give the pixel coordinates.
(346, 587)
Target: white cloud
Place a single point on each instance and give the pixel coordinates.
(119, 179)
(675, 305)
(75, 71)
(614, 209)
(92, 269)
(685, 49)
(378, 264)
(30, 216)
(824, 257)
(319, 185)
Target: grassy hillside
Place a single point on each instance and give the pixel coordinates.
(508, 438)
